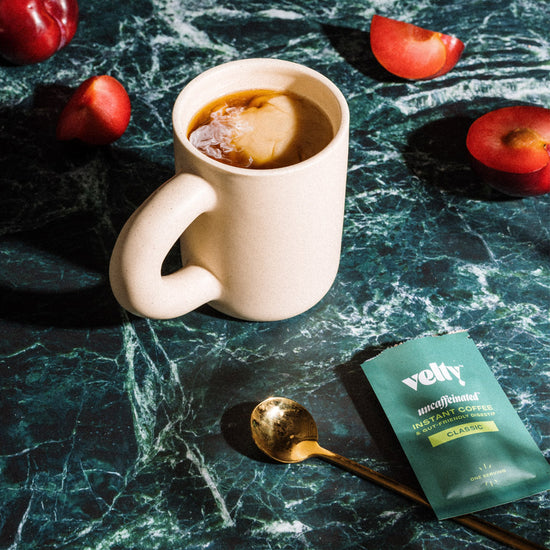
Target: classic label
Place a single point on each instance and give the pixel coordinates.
(461, 430)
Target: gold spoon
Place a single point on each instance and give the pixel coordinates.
(285, 431)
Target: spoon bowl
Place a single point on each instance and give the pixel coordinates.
(283, 429)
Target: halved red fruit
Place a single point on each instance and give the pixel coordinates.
(412, 52)
(510, 149)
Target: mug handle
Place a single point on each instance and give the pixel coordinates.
(144, 242)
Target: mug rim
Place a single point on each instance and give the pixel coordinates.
(180, 132)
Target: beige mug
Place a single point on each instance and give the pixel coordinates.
(256, 244)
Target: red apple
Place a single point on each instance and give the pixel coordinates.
(412, 52)
(33, 30)
(510, 149)
(98, 113)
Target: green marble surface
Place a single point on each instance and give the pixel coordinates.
(118, 432)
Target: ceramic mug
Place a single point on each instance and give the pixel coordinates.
(256, 244)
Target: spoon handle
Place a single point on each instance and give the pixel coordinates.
(477, 524)
(372, 475)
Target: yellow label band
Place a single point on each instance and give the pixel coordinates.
(460, 431)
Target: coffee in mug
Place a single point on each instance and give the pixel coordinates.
(261, 129)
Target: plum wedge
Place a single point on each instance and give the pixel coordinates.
(412, 52)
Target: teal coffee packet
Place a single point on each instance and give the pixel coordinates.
(465, 442)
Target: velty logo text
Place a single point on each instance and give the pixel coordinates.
(436, 373)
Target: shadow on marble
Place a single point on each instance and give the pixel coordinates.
(436, 153)
(372, 415)
(235, 428)
(6, 63)
(64, 206)
(354, 46)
